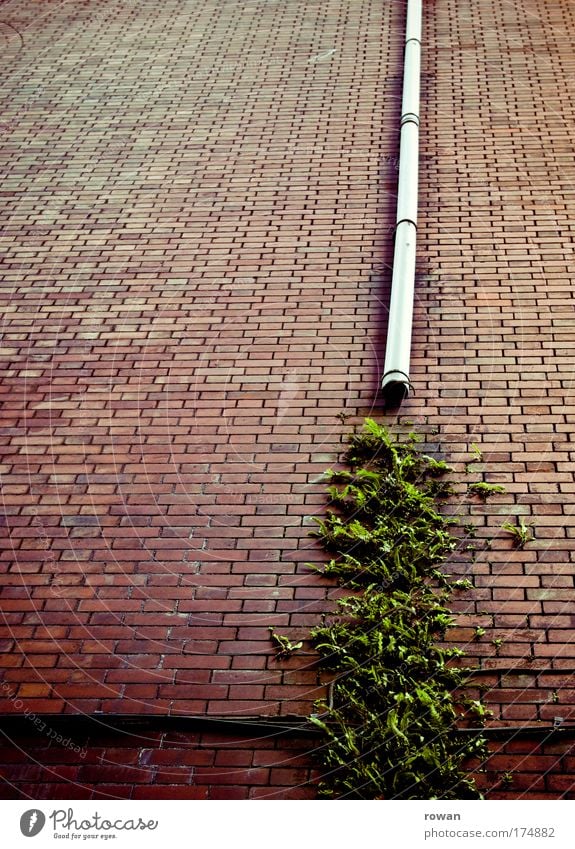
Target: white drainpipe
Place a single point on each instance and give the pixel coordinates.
(395, 382)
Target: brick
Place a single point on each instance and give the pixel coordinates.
(252, 777)
(115, 773)
(154, 791)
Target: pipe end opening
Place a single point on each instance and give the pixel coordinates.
(394, 394)
(395, 387)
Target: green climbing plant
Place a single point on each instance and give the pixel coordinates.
(521, 533)
(391, 722)
(283, 645)
(485, 490)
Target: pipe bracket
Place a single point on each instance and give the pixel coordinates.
(409, 118)
(397, 371)
(405, 221)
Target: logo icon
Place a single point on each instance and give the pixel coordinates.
(32, 822)
(289, 388)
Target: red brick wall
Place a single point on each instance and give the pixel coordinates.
(492, 361)
(200, 202)
(199, 194)
(155, 764)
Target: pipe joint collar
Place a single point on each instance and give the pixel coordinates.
(405, 221)
(395, 385)
(409, 118)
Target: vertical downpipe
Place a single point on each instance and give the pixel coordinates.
(395, 383)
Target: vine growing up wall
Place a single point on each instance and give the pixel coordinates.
(390, 722)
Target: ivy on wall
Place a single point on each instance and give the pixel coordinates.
(390, 722)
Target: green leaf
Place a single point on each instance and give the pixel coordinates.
(391, 723)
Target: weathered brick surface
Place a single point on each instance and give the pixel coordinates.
(492, 362)
(157, 765)
(200, 201)
(526, 769)
(200, 197)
